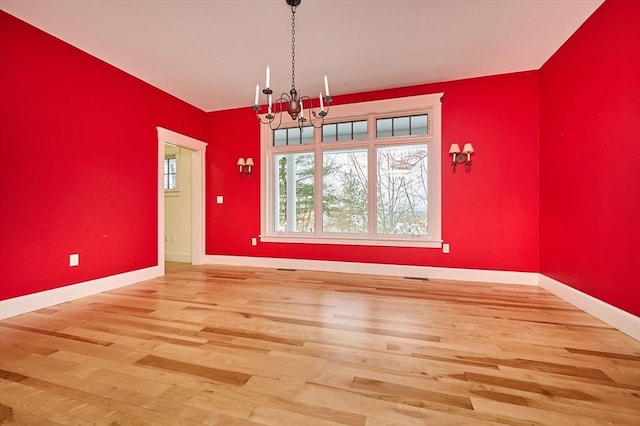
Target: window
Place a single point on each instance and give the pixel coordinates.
(345, 191)
(294, 193)
(351, 130)
(369, 176)
(170, 173)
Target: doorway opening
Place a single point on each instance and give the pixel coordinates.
(177, 204)
(196, 150)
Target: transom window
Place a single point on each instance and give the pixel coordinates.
(401, 126)
(293, 136)
(370, 176)
(350, 130)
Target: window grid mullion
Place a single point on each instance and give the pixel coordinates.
(319, 184)
(373, 187)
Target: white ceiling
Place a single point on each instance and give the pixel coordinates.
(211, 53)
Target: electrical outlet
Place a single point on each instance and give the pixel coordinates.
(445, 248)
(220, 199)
(254, 241)
(74, 259)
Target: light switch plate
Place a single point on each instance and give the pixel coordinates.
(219, 199)
(74, 259)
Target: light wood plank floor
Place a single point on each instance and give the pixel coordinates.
(170, 267)
(244, 346)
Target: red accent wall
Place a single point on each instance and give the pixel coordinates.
(79, 162)
(490, 216)
(590, 176)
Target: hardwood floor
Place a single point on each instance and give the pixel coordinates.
(170, 267)
(244, 346)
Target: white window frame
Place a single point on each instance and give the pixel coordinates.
(392, 107)
(175, 155)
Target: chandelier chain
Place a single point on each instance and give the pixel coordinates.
(293, 47)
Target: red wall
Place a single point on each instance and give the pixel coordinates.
(490, 216)
(590, 175)
(79, 168)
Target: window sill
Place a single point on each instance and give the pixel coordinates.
(172, 193)
(364, 241)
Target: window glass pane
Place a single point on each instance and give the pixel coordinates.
(294, 136)
(344, 198)
(307, 135)
(350, 130)
(279, 137)
(172, 165)
(344, 131)
(419, 125)
(297, 136)
(166, 166)
(402, 190)
(401, 126)
(383, 127)
(329, 133)
(294, 192)
(360, 130)
(166, 181)
(172, 181)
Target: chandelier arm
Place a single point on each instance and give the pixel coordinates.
(316, 119)
(278, 110)
(301, 119)
(257, 108)
(327, 106)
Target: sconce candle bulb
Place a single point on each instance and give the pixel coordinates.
(248, 164)
(240, 164)
(468, 149)
(454, 150)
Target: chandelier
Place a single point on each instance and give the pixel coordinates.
(296, 104)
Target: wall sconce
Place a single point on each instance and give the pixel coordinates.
(245, 165)
(463, 157)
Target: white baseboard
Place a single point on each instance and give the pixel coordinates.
(458, 274)
(615, 317)
(31, 302)
(178, 257)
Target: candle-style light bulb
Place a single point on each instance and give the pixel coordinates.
(268, 76)
(257, 92)
(321, 102)
(326, 85)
